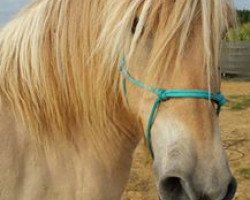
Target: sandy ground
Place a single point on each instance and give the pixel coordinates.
(235, 129)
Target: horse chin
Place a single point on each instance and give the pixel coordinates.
(178, 197)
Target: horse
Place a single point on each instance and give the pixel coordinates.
(77, 83)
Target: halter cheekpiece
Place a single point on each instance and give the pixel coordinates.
(166, 94)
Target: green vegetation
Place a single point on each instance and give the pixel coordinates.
(241, 33)
(243, 16)
(240, 102)
(244, 172)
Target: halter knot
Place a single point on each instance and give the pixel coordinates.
(162, 94)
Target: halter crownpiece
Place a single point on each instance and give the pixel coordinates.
(166, 94)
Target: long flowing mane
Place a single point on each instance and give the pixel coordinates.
(58, 59)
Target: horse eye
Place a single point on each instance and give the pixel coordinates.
(136, 20)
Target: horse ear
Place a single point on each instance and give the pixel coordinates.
(133, 29)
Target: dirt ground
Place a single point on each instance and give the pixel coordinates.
(235, 130)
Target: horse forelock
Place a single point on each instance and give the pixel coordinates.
(172, 24)
(58, 59)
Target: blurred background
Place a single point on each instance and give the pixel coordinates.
(8, 8)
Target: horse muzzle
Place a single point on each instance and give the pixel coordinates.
(173, 188)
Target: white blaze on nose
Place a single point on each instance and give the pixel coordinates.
(172, 147)
(200, 165)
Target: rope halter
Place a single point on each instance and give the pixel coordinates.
(166, 94)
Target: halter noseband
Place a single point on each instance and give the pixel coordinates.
(166, 94)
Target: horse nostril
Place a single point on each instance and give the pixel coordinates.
(231, 190)
(171, 185)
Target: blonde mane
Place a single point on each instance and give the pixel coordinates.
(58, 59)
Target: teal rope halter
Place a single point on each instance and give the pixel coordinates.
(166, 94)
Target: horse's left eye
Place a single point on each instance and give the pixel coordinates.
(133, 29)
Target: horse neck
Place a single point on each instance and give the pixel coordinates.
(76, 165)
